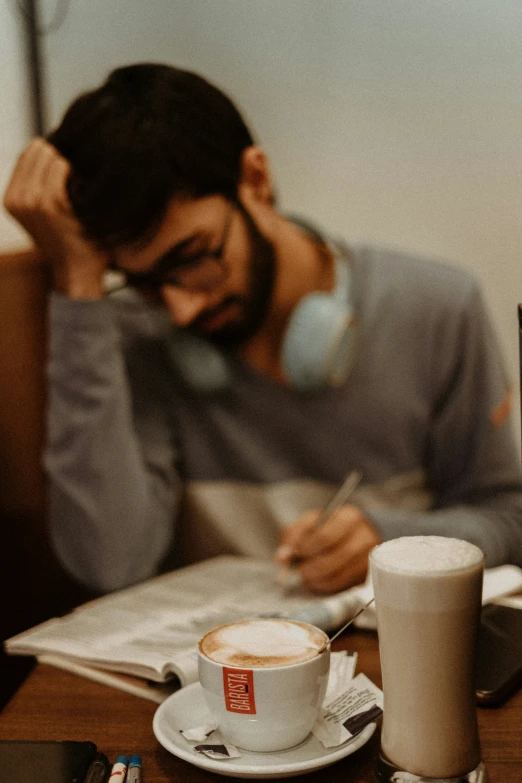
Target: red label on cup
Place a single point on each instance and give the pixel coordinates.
(238, 686)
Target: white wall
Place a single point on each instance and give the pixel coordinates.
(14, 113)
(392, 122)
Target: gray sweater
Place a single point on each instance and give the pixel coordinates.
(150, 468)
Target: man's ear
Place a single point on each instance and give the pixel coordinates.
(255, 183)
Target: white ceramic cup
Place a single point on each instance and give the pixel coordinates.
(270, 704)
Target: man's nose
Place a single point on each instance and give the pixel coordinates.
(183, 305)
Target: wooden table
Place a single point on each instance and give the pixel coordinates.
(52, 704)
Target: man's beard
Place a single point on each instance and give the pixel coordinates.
(254, 304)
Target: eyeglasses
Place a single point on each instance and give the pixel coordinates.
(201, 272)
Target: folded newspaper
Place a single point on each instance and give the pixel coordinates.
(150, 630)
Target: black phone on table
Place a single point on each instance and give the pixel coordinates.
(45, 761)
(499, 658)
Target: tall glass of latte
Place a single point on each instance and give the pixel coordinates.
(428, 593)
(264, 680)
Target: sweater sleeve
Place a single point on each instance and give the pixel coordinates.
(113, 485)
(472, 462)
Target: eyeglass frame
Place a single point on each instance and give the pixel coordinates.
(165, 272)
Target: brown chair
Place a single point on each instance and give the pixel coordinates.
(33, 586)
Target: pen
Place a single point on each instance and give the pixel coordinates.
(348, 486)
(134, 771)
(119, 770)
(99, 769)
(340, 497)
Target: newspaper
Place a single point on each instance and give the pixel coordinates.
(150, 631)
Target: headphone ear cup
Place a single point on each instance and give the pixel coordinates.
(318, 345)
(342, 351)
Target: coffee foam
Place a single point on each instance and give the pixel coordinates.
(262, 643)
(426, 554)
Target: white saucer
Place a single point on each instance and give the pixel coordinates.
(186, 708)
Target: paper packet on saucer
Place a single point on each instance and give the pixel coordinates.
(349, 712)
(342, 670)
(207, 740)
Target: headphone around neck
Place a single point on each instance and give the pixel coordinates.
(318, 346)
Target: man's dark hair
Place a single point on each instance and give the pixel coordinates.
(149, 133)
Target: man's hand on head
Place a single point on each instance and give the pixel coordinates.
(37, 198)
(331, 557)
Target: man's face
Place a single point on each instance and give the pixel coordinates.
(216, 270)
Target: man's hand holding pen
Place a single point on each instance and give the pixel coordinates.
(328, 549)
(332, 556)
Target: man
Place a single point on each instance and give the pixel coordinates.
(248, 364)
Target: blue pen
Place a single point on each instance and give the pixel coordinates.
(134, 771)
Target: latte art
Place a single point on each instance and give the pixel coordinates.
(262, 643)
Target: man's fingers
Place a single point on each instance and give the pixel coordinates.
(292, 535)
(27, 190)
(344, 565)
(33, 156)
(39, 160)
(331, 534)
(339, 580)
(57, 176)
(24, 164)
(336, 569)
(303, 540)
